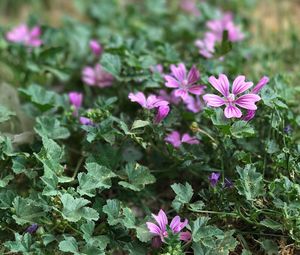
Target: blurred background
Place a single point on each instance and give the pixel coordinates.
(273, 24)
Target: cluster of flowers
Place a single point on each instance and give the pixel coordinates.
(185, 88)
(215, 32)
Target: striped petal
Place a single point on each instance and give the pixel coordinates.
(213, 100)
(239, 85)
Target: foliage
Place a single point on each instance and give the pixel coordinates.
(91, 188)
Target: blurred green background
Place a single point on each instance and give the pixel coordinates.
(274, 24)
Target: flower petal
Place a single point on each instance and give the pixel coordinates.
(161, 219)
(139, 98)
(193, 75)
(249, 116)
(221, 84)
(213, 100)
(181, 93)
(179, 72)
(197, 89)
(153, 228)
(263, 81)
(232, 111)
(162, 113)
(186, 138)
(248, 101)
(174, 139)
(239, 85)
(171, 82)
(185, 236)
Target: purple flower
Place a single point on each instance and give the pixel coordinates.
(288, 129)
(162, 113)
(175, 139)
(96, 76)
(151, 102)
(76, 101)
(215, 32)
(207, 45)
(85, 121)
(190, 7)
(161, 228)
(230, 100)
(193, 104)
(32, 228)
(263, 81)
(183, 82)
(225, 23)
(171, 98)
(23, 34)
(95, 47)
(214, 178)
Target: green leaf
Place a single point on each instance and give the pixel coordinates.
(97, 177)
(138, 177)
(184, 194)
(50, 185)
(75, 208)
(5, 114)
(143, 234)
(269, 223)
(50, 156)
(27, 211)
(6, 199)
(22, 243)
(270, 247)
(129, 219)
(210, 239)
(69, 245)
(111, 63)
(139, 124)
(250, 183)
(42, 98)
(241, 129)
(5, 180)
(49, 126)
(113, 211)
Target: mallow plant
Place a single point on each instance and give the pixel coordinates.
(142, 129)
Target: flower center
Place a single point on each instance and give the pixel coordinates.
(184, 83)
(230, 98)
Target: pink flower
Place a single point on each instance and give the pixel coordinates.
(96, 76)
(75, 99)
(85, 121)
(23, 34)
(193, 104)
(246, 101)
(171, 98)
(175, 139)
(225, 23)
(215, 34)
(183, 82)
(263, 81)
(214, 178)
(162, 113)
(151, 102)
(96, 48)
(161, 228)
(190, 6)
(207, 45)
